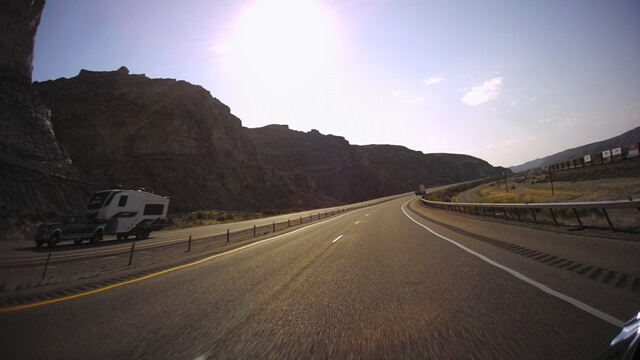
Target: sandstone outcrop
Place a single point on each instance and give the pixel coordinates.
(167, 136)
(330, 165)
(36, 175)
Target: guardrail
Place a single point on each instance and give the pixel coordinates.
(537, 211)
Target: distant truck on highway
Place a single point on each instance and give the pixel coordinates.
(122, 213)
(420, 190)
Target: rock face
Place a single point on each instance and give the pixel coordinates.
(330, 165)
(36, 177)
(167, 136)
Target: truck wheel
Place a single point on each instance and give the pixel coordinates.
(96, 237)
(77, 241)
(146, 233)
(53, 240)
(39, 243)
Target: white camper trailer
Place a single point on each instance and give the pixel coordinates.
(128, 212)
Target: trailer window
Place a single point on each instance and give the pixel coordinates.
(123, 201)
(153, 209)
(97, 200)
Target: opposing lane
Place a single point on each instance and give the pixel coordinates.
(386, 287)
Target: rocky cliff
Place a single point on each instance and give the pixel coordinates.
(167, 136)
(330, 165)
(36, 177)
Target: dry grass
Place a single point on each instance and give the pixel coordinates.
(538, 192)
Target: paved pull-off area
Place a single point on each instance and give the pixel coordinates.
(396, 280)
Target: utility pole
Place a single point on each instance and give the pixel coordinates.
(505, 182)
(551, 179)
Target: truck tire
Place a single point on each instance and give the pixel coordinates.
(53, 240)
(97, 236)
(122, 236)
(39, 243)
(146, 233)
(77, 241)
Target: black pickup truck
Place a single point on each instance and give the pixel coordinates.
(69, 227)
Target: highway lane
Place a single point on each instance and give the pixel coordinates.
(369, 283)
(24, 252)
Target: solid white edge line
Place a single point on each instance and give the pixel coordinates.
(338, 238)
(595, 312)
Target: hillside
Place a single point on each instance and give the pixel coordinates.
(346, 172)
(167, 136)
(629, 137)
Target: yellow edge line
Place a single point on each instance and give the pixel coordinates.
(52, 301)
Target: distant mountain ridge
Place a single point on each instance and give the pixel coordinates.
(627, 138)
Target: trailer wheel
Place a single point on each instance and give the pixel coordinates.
(97, 236)
(77, 241)
(39, 243)
(53, 240)
(146, 233)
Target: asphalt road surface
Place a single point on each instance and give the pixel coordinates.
(391, 281)
(22, 251)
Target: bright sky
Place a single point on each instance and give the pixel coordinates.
(506, 81)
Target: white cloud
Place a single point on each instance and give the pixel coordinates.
(433, 80)
(489, 90)
(544, 121)
(407, 97)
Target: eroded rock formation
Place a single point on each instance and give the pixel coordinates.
(36, 176)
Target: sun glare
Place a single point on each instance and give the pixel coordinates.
(280, 41)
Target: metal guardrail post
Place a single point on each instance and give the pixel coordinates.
(504, 211)
(254, 231)
(131, 255)
(288, 222)
(274, 226)
(493, 210)
(608, 220)
(300, 220)
(189, 246)
(227, 235)
(578, 217)
(533, 213)
(310, 218)
(46, 265)
(518, 214)
(484, 211)
(554, 216)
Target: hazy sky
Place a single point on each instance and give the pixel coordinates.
(506, 81)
